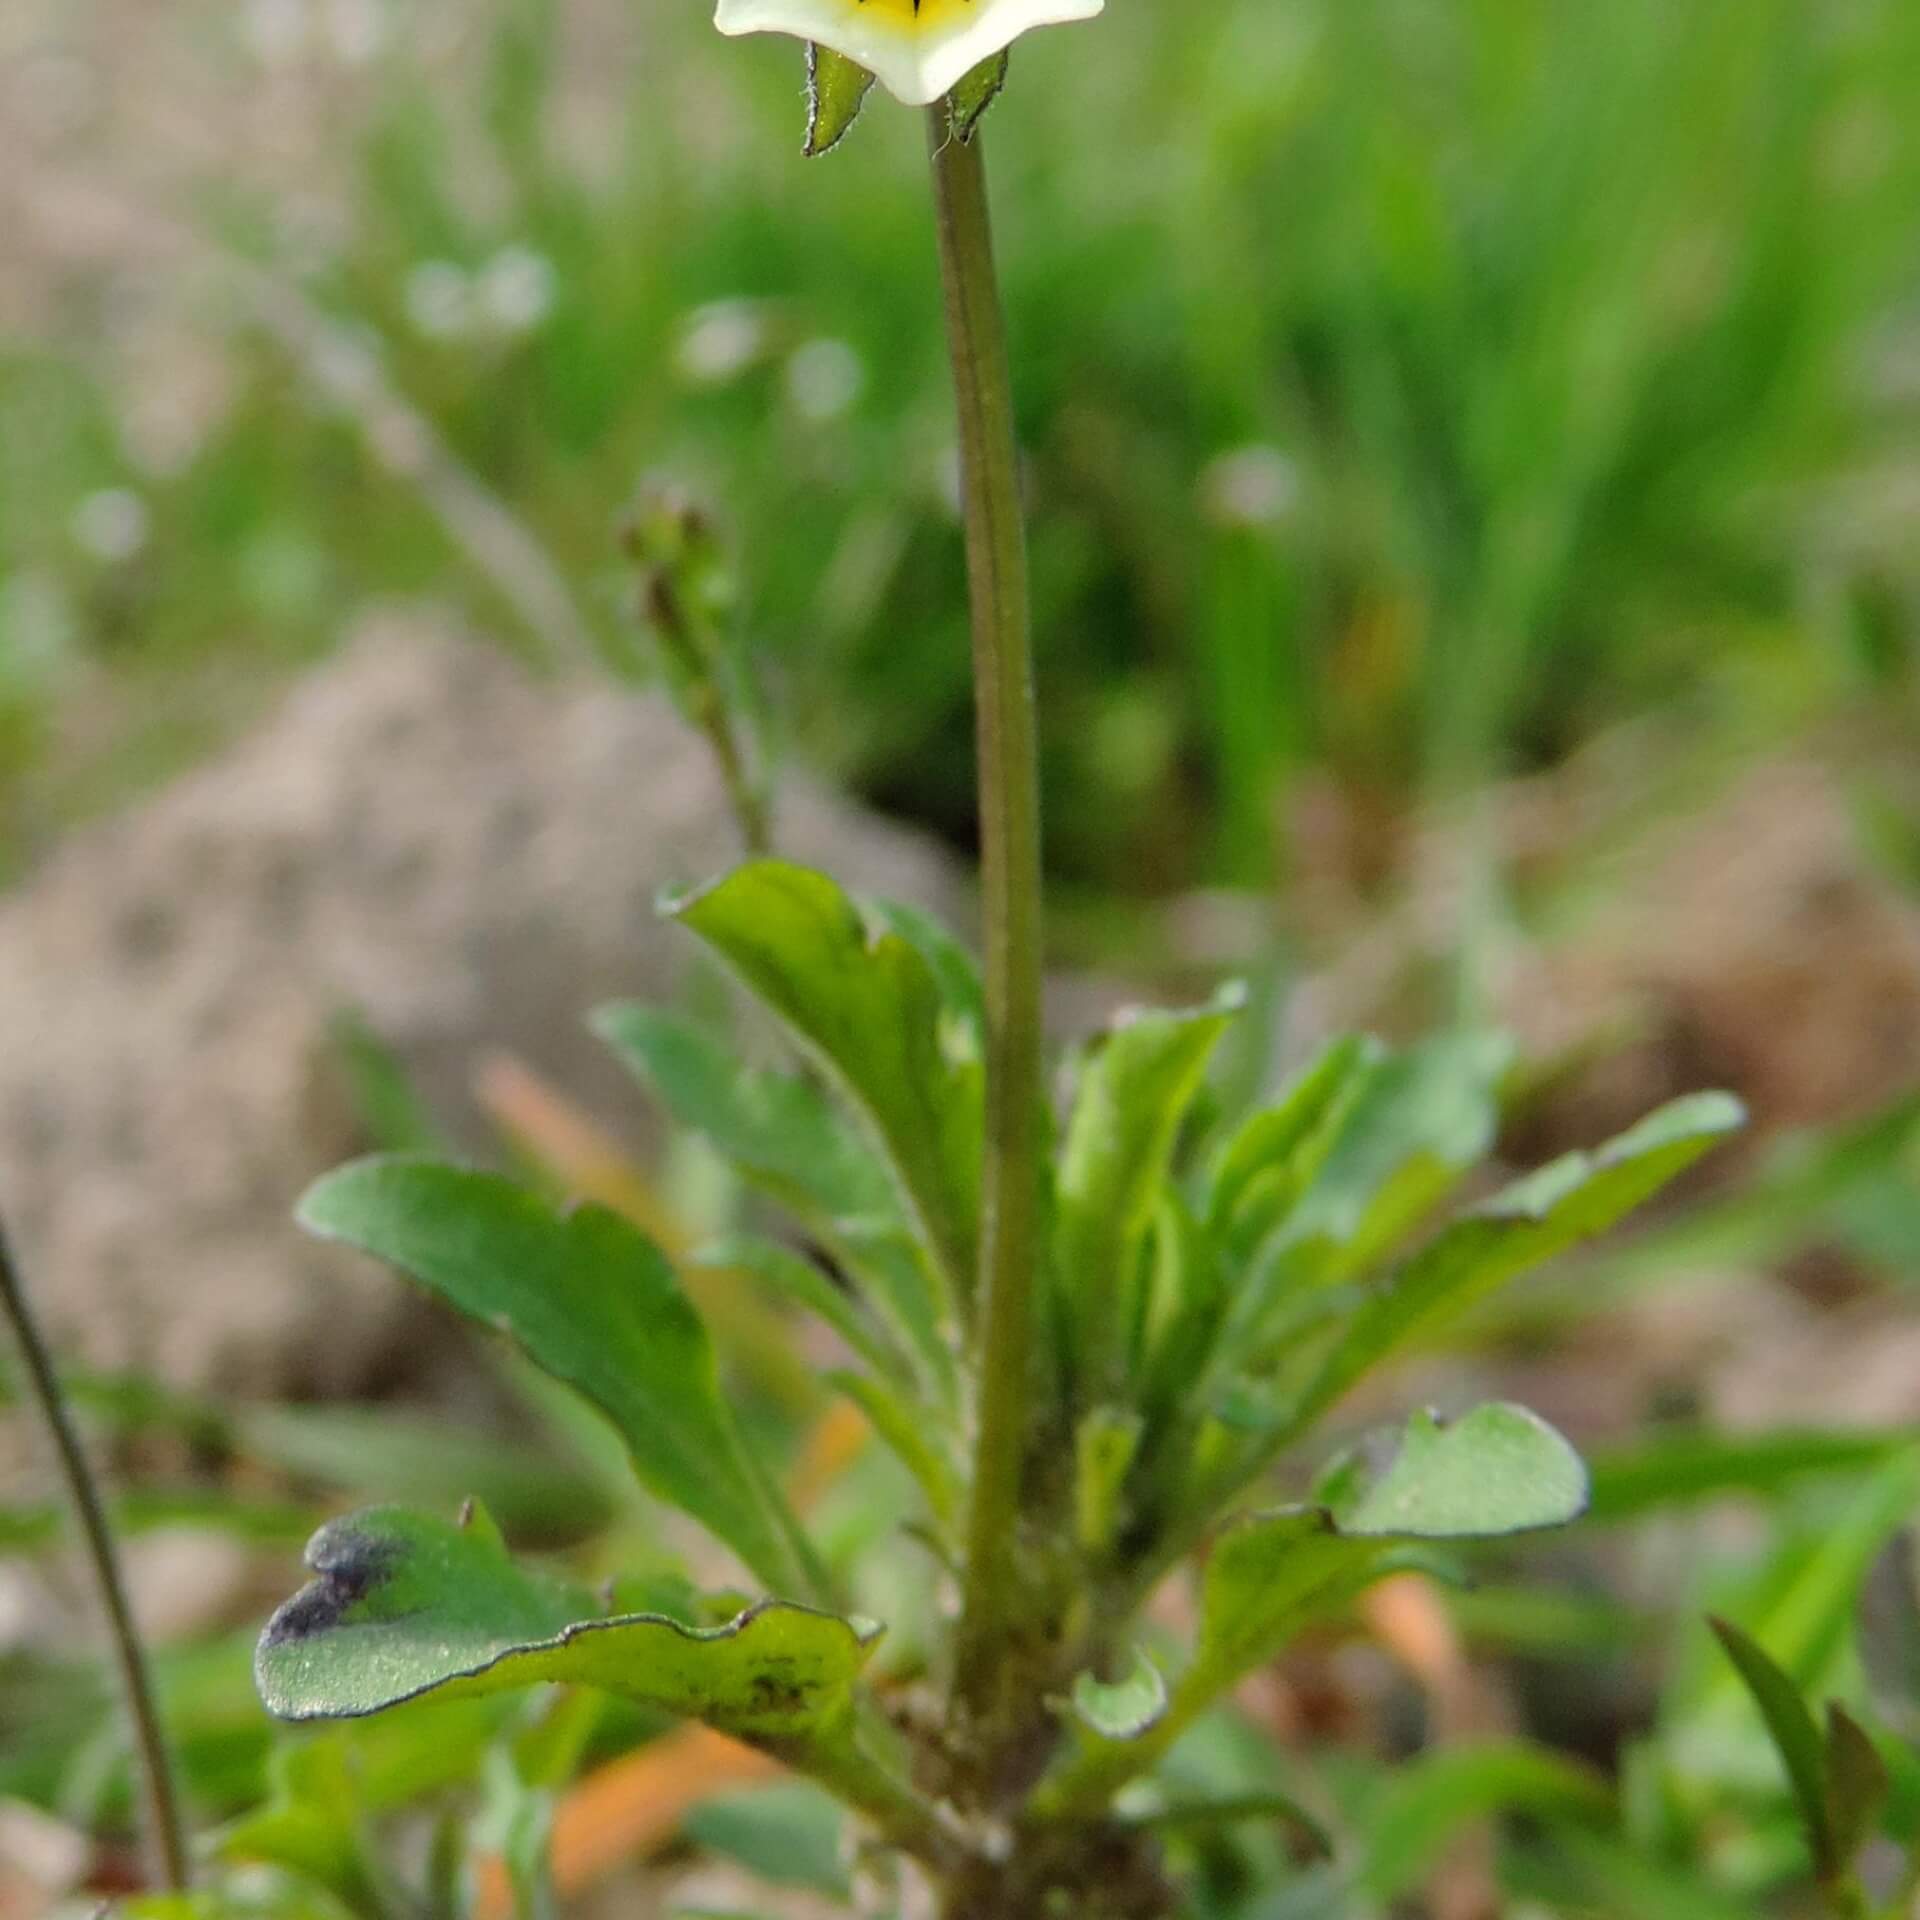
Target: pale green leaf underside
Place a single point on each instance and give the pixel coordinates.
(594, 1303)
(1498, 1470)
(405, 1606)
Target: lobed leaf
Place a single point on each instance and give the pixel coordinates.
(593, 1302)
(1498, 1470)
(868, 1007)
(1575, 1198)
(404, 1606)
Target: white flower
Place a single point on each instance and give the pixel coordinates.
(919, 49)
(111, 525)
(439, 300)
(515, 289)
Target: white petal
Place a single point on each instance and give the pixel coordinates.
(917, 59)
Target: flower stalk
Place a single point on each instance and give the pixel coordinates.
(166, 1833)
(1009, 789)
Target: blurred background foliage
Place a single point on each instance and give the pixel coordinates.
(1415, 393)
(1411, 392)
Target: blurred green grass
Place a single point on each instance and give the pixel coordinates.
(1411, 388)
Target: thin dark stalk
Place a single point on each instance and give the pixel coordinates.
(166, 1834)
(1009, 784)
(711, 710)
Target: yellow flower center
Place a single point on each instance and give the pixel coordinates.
(927, 12)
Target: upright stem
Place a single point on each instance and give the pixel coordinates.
(166, 1834)
(1009, 783)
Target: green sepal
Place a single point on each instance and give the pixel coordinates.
(837, 89)
(977, 91)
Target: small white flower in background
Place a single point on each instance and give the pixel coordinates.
(276, 30)
(111, 525)
(720, 342)
(1255, 486)
(38, 633)
(917, 49)
(356, 30)
(824, 378)
(515, 290)
(439, 300)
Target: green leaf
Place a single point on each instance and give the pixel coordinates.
(1674, 1468)
(1106, 1443)
(1199, 1816)
(405, 1606)
(314, 1825)
(1791, 1728)
(1435, 1797)
(514, 1824)
(895, 1423)
(593, 1302)
(956, 970)
(789, 1834)
(1532, 1221)
(424, 1460)
(868, 1007)
(1889, 1618)
(976, 92)
(892, 1270)
(1410, 1126)
(837, 89)
(797, 1279)
(1499, 1470)
(1121, 1709)
(1268, 1163)
(1858, 1786)
(1135, 1089)
(779, 1130)
(384, 1098)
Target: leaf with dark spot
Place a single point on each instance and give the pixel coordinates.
(403, 1606)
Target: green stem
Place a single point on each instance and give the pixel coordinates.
(848, 1763)
(166, 1834)
(1009, 781)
